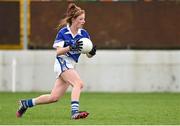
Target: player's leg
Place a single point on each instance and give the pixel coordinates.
(57, 92)
(72, 77)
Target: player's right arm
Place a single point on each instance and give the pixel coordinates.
(62, 50)
(59, 44)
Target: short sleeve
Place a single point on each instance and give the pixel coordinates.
(59, 41)
(85, 34)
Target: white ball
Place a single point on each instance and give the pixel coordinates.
(87, 45)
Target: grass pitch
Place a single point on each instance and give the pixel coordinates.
(104, 108)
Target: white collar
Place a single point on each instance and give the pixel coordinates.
(69, 31)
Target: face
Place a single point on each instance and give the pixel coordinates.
(79, 21)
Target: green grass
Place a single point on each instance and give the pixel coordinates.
(104, 108)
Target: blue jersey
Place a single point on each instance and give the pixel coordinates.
(65, 38)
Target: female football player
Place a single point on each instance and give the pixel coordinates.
(67, 47)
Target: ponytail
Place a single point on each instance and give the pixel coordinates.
(72, 11)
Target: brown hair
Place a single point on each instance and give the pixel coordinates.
(73, 11)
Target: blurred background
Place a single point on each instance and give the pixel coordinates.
(138, 45)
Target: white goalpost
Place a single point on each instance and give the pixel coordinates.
(14, 63)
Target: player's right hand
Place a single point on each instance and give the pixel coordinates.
(77, 46)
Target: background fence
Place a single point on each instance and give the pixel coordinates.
(108, 71)
(126, 24)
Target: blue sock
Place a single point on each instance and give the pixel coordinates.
(74, 107)
(27, 103)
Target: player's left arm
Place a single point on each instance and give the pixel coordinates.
(92, 52)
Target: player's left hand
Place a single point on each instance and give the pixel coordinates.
(77, 46)
(93, 51)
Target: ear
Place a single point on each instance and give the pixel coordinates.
(73, 19)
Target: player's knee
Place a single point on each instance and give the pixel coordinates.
(54, 98)
(79, 84)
